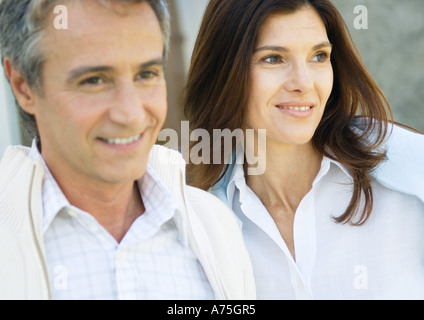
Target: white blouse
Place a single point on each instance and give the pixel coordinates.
(383, 259)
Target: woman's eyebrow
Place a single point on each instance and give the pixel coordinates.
(271, 48)
(324, 44)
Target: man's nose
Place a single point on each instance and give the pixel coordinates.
(127, 107)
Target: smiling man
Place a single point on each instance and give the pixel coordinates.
(93, 210)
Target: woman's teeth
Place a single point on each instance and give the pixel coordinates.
(303, 108)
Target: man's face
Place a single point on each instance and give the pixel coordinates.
(104, 92)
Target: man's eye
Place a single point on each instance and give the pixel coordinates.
(149, 74)
(92, 81)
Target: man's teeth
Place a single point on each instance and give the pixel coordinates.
(123, 141)
(305, 108)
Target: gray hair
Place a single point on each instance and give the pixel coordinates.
(22, 23)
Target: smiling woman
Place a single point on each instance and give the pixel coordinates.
(220, 83)
(301, 67)
(319, 212)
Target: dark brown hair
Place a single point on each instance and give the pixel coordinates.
(216, 92)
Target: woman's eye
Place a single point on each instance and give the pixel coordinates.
(321, 57)
(274, 59)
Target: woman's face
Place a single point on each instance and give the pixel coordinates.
(291, 77)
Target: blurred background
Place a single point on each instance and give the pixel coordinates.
(392, 47)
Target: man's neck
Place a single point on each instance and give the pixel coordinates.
(114, 211)
(114, 206)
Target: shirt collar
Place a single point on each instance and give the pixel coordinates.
(338, 165)
(53, 198)
(237, 176)
(160, 205)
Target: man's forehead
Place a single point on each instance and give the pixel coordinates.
(96, 18)
(78, 13)
(105, 38)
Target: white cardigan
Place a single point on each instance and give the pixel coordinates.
(213, 232)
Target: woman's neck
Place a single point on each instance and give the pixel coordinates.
(290, 172)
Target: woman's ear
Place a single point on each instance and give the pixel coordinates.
(21, 90)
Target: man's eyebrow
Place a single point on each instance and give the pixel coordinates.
(82, 70)
(324, 44)
(154, 62)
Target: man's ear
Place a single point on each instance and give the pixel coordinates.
(23, 93)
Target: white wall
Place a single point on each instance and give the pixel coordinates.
(190, 14)
(393, 50)
(9, 124)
